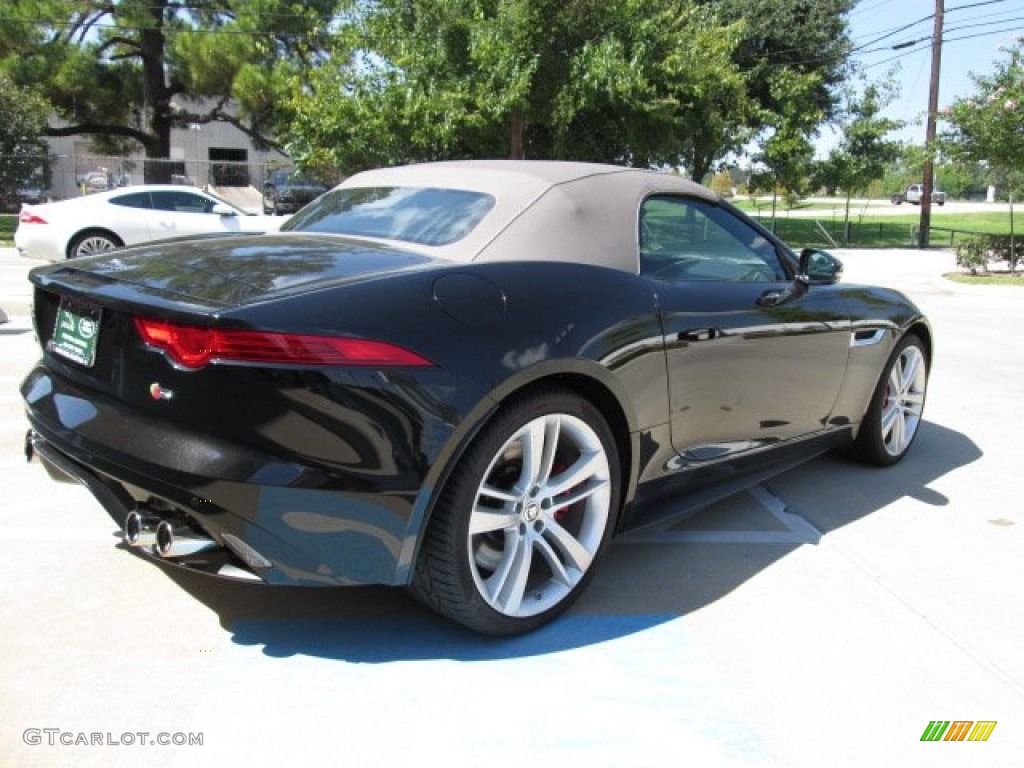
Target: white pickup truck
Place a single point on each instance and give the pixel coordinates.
(915, 192)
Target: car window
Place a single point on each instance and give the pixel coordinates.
(133, 200)
(689, 239)
(424, 215)
(284, 178)
(182, 201)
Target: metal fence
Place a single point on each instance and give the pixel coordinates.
(58, 177)
(829, 233)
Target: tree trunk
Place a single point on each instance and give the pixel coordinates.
(516, 130)
(1013, 244)
(846, 220)
(701, 167)
(156, 96)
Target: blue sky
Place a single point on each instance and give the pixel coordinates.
(973, 32)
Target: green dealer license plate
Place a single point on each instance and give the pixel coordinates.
(76, 333)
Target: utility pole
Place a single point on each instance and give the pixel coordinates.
(933, 109)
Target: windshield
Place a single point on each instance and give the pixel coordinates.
(422, 215)
(282, 178)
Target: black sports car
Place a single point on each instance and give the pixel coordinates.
(286, 192)
(460, 377)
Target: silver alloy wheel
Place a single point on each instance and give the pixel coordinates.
(93, 244)
(903, 403)
(540, 515)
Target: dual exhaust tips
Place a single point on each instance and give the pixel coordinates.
(163, 538)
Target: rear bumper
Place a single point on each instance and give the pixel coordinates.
(283, 521)
(156, 531)
(38, 241)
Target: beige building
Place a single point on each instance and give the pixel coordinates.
(215, 154)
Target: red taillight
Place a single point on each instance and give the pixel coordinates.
(28, 216)
(193, 346)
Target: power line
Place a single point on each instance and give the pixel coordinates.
(977, 5)
(892, 31)
(859, 10)
(984, 24)
(911, 52)
(984, 34)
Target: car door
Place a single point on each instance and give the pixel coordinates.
(753, 358)
(129, 216)
(183, 212)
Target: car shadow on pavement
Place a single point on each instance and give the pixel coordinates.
(638, 585)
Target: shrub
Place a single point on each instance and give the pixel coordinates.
(979, 251)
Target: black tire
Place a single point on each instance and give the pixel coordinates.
(532, 554)
(91, 242)
(897, 405)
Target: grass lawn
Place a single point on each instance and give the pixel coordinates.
(878, 232)
(872, 231)
(764, 207)
(988, 278)
(8, 221)
(990, 223)
(887, 231)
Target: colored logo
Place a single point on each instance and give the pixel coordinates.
(959, 730)
(86, 327)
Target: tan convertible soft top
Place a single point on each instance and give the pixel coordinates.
(544, 210)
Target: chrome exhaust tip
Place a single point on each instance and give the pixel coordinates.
(139, 531)
(171, 542)
(164, 539)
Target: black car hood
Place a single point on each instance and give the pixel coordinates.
(229, 271)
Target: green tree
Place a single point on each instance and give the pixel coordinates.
(133, 69)
(645, 82)
(787, 157)
(786, 153)
(986, 126)
(865, 149)
(627, 81)
(23, 153)
(794, 54)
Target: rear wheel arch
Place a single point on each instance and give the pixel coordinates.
(601, 397)
(85, 234)
(439, 571)
(583, 385)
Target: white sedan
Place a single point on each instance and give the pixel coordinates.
(126, 216)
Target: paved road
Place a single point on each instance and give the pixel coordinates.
(823, 620)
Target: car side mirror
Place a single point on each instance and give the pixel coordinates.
(819, 267)
(223, 210)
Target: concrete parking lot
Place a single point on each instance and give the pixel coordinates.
(824, 619)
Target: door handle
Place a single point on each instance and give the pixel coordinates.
(774, 297)
(699, 334)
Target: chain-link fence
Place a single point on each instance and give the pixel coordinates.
(809, 232)
(59, 177)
